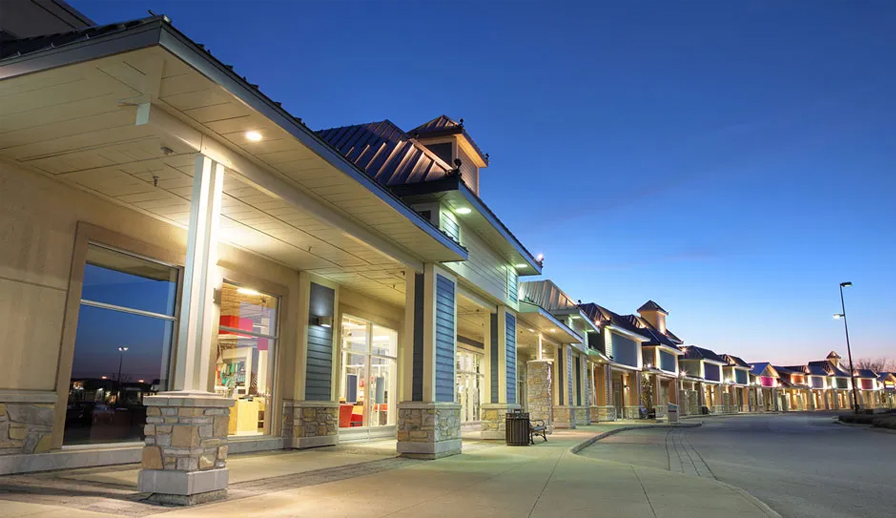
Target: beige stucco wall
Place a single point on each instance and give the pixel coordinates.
(38, 224)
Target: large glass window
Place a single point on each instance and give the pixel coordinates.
(244, 366)
(368, 374)
(470, 379)
(122, 345)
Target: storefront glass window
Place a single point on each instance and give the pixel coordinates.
(368, 374)
(470, 378)
(244, 364)
(122, 345)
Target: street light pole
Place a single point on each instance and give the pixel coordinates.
(121, 351)
(852, 371)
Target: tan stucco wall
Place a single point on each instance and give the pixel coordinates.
(38, 224)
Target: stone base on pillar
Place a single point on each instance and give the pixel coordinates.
(428, 430)
(185, 456)
(309, 424)
(494, 420)
(631, 412)
(565, 417)
(602, 414)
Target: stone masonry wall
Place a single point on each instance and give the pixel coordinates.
(185, 438)
(604, 413)
(539, 391)
(494, 420)
(429, 425)
(25, 427)
(309, 421)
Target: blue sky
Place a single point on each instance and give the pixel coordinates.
(732, 162)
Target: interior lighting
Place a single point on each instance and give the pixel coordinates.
(253, 136)
(463, 210)
(247, 291)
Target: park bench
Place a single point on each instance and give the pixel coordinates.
(537, 427)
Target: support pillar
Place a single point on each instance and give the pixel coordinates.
(185, 454)
(503, 369)
(428, 415)
(565, 410)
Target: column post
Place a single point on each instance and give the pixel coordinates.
(185, 453)
(429, 421)
(503, 353)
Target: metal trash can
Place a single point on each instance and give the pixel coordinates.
(672, 413)
(517, 429)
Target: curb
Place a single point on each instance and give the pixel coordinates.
(588, 442)
(755, 501)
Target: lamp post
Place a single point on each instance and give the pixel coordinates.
(852, 371)
(121, 351)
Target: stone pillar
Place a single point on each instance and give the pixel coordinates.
(539, 394)
(428, 415)
(26, 421)
(309, 424)
(502, 347)
(185, 456)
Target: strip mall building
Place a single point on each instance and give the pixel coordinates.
(189, 271)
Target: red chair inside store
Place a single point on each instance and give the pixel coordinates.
(350, 416)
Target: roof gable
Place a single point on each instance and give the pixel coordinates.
(692, 352)
(735, 361)
(652, 306)
(445, 125)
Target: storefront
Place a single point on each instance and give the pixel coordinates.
(368, 380)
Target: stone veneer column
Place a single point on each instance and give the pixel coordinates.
(308, 424)
(540, 392)
(428, 430)
(26, 421)
(185, 456)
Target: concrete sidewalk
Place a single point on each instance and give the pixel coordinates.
(544, 480)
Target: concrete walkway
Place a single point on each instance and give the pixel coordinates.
(544, 480)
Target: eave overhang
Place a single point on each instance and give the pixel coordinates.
(545, 323)
(159, 32)
(451, 191)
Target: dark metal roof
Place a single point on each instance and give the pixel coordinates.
(386, 153)
(830, 368)
(833, 354)
(692, 352)
(445, 125)
(817, 369)
(647, 329)
(735, 361)
(758, 368)
(651, 306)
(603, 316)
(866, 373)
(804, 369)
(20, 47)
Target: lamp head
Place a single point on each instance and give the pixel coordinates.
(838, 316)
(845, 284)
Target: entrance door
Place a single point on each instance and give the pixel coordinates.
(618, 395)
(368, 380)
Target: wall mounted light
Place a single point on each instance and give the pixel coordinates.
(248, 291)
(322, 321)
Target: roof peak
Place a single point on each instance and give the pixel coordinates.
(833, 354)
(650, 305)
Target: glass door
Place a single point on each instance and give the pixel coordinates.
(368, 382)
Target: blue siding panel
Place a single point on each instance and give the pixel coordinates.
(494, 358)
(625, 351)
(510, 357)
(445, 340)
(513, 284)
(319, 362)
(417, 383)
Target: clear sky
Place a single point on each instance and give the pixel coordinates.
(733, 163)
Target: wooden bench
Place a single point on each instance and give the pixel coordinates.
(537, 427)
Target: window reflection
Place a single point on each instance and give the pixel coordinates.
(122, 346)
(368, 381)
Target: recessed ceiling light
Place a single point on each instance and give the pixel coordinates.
(463, 210)
(520, 266)
(253, 136)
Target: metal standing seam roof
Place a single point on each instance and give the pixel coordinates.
(386, 153)
(759, 368)
(604, 316)
(22, 46)
(735, 361)
(693, 352)
(445, 125)
(830, 368)
(656, 337)
(866, 374)
(651, 306)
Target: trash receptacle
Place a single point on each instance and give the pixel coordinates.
(517, 429)
(672, 413)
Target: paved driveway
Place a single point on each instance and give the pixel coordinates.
(802, 465)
